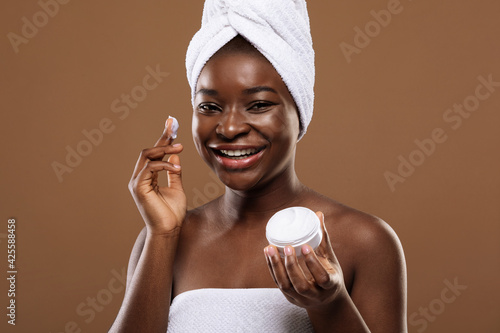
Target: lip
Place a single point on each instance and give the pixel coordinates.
(244, 163)
(234, 147)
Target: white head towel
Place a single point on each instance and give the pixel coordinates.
(279, 29)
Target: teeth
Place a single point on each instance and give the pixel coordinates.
(239, 152)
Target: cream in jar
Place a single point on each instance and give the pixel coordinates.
(294, 226)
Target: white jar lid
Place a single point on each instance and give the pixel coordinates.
(294, 226)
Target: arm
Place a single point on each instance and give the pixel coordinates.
(377, 302)
(149, 279)
(379, 287)
(147, 299)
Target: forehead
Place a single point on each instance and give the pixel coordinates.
(239, 71)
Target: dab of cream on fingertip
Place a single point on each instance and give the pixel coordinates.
(174, 127)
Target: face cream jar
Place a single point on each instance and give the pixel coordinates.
(294, 226)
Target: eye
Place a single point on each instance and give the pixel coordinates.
(261, 106)
(208, 108)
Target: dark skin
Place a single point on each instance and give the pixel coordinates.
(354, 282)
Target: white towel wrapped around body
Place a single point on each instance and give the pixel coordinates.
(256, 310)
(279, 29)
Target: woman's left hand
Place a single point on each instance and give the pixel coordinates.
(315, 285)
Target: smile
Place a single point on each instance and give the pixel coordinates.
(238, 159)
(239, 154)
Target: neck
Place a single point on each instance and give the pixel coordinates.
(259, 204)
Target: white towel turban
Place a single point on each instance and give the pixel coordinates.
(279, 29)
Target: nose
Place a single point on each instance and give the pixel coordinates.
(233, 124)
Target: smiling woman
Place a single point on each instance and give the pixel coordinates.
(203, 270)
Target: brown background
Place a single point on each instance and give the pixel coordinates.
(75, 235)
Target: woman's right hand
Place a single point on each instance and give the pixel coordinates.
(162, 208)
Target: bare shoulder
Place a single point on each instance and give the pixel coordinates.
(372, 261)
(367, 232)
(362, 227)
(362, 238)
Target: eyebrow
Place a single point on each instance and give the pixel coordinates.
(249, 91)
(209, 92)
(258, 89)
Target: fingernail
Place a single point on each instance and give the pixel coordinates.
(176, 145)
(271, 252)
(306, 249)
(288, 250)
(176, 166)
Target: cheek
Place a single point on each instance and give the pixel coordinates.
(194, 126)
(198, 133)
(280, 126)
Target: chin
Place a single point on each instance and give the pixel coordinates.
(239, 180)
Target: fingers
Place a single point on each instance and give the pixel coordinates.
(175, 177)
(323, 277)
(150, 162)
(162, 147)
(310, 282)
(154, 154)
(280, 275)
(148, 177)
(276, 268)
(288, 275)
(296, 275)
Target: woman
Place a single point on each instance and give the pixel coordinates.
(248, 117)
